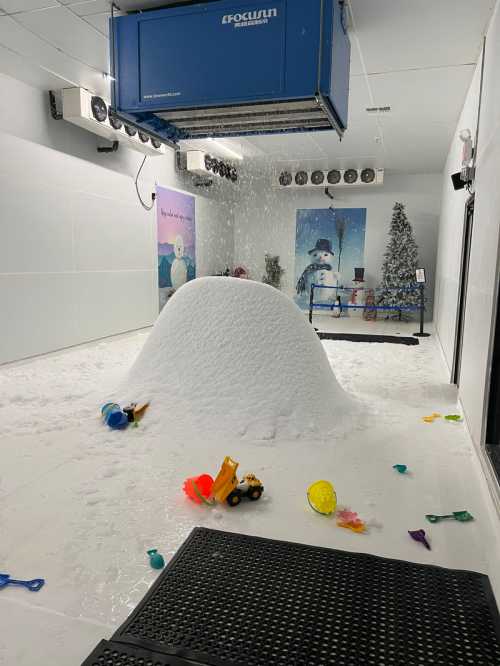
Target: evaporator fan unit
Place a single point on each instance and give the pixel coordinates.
(301, 178)
(285, 178)
(366, 177)
(333, 177)
(99, 108)
(203, 164)
(96, 115)
(350, 176)
(317, 177)
(274, 67)
(114, 121)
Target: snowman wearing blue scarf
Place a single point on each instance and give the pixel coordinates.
(320, 272)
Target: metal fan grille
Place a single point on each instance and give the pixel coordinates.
(268, 117)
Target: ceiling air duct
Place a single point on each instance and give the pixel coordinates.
(232, 68)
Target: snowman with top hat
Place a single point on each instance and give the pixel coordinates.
(320, 272)
(358, 295)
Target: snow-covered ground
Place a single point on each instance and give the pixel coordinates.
(80, 504)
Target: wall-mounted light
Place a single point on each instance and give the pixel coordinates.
(468, 149)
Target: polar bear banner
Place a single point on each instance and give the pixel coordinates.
(176, 241)
(178, 272)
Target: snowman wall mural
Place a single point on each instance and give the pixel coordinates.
(321, 271)
(176, 241)
(329, 244)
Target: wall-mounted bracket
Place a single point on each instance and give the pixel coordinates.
(55, 105)
(109, 149)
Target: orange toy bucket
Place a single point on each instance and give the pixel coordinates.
(199, 488)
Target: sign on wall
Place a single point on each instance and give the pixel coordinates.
(329, 245)
(176, 241)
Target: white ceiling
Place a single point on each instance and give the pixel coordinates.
(417, 56)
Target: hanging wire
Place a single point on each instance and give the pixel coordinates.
(143, 204)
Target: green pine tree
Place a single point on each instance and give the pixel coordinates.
(273, 271)
(400, 264)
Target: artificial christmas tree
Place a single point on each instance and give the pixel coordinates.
(273, 271)
(400, 264)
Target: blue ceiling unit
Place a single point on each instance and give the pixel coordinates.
(232, 68)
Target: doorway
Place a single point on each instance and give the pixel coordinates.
(462, 293)
(493, 417)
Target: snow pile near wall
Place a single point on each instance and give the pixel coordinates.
(231, 357)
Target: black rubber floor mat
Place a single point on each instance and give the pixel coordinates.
(229, 599)
(113, 653)
(362, 337)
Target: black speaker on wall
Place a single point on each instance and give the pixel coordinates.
(456, 179)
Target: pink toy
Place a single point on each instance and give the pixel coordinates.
(350, 520)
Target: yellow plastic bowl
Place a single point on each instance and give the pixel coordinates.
(322, 497)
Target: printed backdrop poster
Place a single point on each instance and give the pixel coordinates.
(176, 240)
(329, 245)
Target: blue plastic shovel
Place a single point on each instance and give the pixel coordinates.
(32, 585)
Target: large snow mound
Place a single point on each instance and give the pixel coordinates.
(229, 357)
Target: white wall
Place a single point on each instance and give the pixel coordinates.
(483, 272)
(265, 222)
(451, 231)
(77, 251)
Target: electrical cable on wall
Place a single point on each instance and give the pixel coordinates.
(153, 196)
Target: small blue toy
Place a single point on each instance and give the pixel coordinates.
(402, 469)
(155, 559)
(32, 585)
(114, 416)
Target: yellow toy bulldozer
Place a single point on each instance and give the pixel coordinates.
(228, 489)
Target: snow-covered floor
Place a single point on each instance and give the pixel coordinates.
(80, 505)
